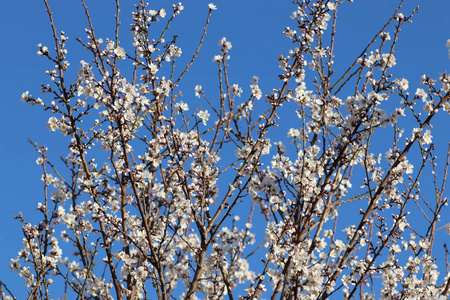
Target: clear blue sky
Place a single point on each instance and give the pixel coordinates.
(255, 30)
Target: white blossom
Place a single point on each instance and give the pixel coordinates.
(204, 116)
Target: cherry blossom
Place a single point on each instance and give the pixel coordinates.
(314, 193)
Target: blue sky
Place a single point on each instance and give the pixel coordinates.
(255, 30)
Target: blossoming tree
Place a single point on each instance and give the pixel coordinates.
(156, 200)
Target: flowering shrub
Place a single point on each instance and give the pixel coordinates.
(157, 200)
